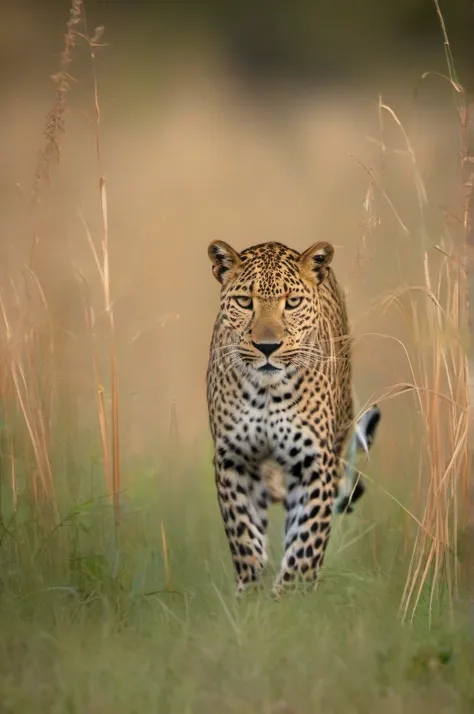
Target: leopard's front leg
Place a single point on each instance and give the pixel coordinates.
(243, 502)
(312, 477)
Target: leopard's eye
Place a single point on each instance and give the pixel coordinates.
(293, 302)
(244, 301)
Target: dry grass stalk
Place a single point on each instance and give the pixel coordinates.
(103, 266)
(437, 318)
(51, 151)
(466, 112)
(101, 408)
(13, 476)
(437, 314)
(27, 385)
(169, 586)
(28, 392)
(443, 365)
(55, 119)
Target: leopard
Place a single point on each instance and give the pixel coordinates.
(279, 390)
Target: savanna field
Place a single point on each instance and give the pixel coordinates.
(116, 586)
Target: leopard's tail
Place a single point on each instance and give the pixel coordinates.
(351, 487)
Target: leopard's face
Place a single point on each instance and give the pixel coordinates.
(270, 306)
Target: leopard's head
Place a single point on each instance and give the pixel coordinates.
(271, 306)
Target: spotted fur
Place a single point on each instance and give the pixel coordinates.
(278, 387)
(351, 486)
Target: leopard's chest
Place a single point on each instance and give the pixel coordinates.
(261, 423)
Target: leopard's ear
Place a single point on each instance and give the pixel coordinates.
(316, 259)
(225, 260)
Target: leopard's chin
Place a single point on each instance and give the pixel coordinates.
(269, 369)
(271, 376)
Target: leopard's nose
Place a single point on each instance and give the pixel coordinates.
(268, 348)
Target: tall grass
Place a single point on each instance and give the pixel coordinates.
(102, 262)
(437, 315)
(27, 399)
(438, 311)
(77, 30)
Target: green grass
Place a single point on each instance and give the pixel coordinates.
(88, 627)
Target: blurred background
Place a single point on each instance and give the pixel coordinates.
(232, 120)
(307, 45)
